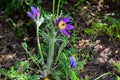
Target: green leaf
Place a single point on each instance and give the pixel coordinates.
(24, 45)
(118, 36)
(117, 66)
(117, 77)
(63, 45)
(74, 76)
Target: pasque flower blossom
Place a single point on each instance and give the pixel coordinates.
(35, 15)
(72, 62)
(63, 26)
(34, 12)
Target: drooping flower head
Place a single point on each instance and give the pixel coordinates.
(63, 26)
(72, 62)
(34, 12)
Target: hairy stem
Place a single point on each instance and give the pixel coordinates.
(39, 45)
(53, 8)
(58, 7)
(51, 53)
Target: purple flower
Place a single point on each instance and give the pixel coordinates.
(34, 12)
(72, 62)
(63, 26)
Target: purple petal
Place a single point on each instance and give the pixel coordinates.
(72, 62)
(57, 21)
(30, 15)
(64, 32)
(66, 19)
(35, 11)
(69, 27)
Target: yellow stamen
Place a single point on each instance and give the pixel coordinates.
(61, 25)
(46, 78)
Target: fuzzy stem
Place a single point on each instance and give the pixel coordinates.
(53, 8)
(51, 53)
(39, 45)
(51, 45)
(32, 57)
(58, 7)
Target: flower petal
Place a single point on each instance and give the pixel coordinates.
(72, 62)
(69, 27)
(63, 31)
(35, 11)
(57, 21)
(67, 19)
(30, 15)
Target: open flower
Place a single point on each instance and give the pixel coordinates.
(72, 62)
(34, 12)
(63, 26)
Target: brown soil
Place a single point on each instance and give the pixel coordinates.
(10, 47)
